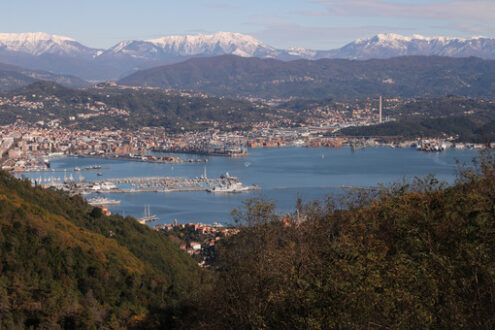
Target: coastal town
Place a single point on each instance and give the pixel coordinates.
(26, 147)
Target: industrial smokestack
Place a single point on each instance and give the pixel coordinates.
(380, 109)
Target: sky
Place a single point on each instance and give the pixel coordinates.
(314, 24)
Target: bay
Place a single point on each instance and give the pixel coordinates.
(284, 174)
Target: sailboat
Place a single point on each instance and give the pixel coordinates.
(147, 215)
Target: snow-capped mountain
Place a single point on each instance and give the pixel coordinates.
(56, 54)
(63, 55)
(167, 47)
(392, 45)
(40, 43)
(226, 43)
(301, 53)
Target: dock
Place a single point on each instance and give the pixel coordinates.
(151, 184)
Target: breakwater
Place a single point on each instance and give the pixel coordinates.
(152, 184)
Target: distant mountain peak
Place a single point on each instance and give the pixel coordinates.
(201, 37)
(40, 43)
(229, 42)
(390, 45)
(219, 43)
(390, 37)
(64, 55)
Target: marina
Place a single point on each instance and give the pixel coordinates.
(146, 184)
(142, 158)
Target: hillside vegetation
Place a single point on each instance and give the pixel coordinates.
(63, 264)
(410, 256)
(463, 119)
(409, 76)
(466, 120)
(120, 108)
(461, 128)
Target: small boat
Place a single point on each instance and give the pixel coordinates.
(147, 216)
(99, 174)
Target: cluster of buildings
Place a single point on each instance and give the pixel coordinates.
(28, 107)
(345, 113)
(197, 239)
(27, 146)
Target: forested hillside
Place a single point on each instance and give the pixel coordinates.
(64, 264)
(120, 108)
(408, 76)
(463, 119)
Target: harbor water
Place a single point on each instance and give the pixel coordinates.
(283, 174)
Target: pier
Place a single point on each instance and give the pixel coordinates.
(152, 184)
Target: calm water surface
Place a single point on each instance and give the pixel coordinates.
(284, 174)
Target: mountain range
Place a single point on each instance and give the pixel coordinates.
(406, 76)
(66, 56)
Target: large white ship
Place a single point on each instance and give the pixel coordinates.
(235, 187)
(99, 201)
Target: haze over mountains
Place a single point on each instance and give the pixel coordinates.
(12, 77)
(66, 56)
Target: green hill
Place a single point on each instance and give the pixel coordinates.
(63, 264)
(466, 120)
(475, 128)
(408, 76)
(120, 108)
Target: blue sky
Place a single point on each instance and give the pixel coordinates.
(316, 24)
